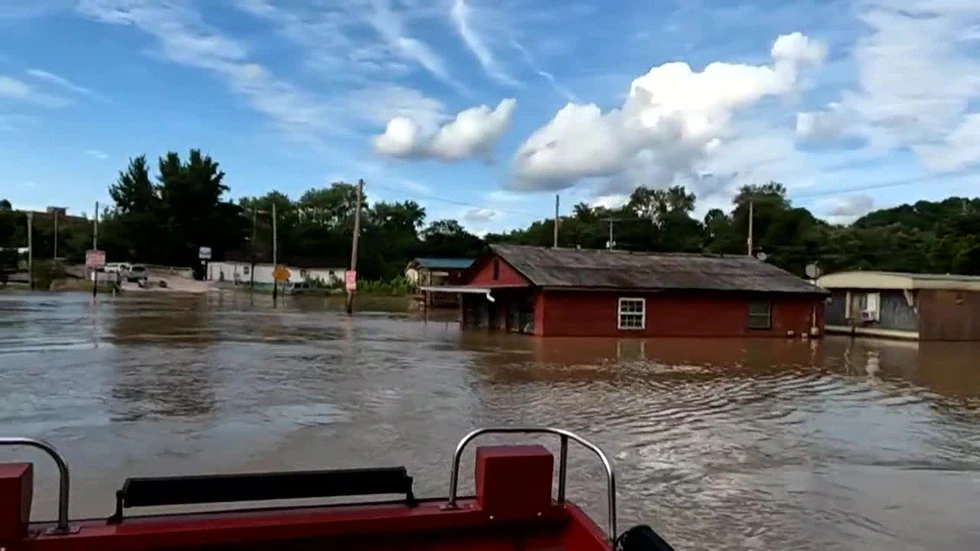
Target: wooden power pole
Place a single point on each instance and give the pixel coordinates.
(95, 247)
(56, 235)
(751, 217)
(251, 272)
(30, 248)
(556, 220)
(354, 244)
(275, 254)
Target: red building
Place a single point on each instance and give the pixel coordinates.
(582, 292)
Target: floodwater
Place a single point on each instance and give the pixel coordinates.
(723, 444)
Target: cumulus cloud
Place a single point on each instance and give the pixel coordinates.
(472, 133)
(845, 209)
(672, 119)
(479, 215)
(613, 201)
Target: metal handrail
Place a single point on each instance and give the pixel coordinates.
(62, 526)
(562, 464)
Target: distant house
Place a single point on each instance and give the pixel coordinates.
(437, 271)
(579, 292)
(925, 307)
(240, 273)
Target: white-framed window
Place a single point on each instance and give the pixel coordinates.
(760, 314)
(632, 314)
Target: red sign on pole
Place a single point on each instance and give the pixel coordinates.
(94, 259)
(350, 280)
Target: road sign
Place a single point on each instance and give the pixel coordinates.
(280, 273)
(350, 280)
(204, 253)
(94, 259)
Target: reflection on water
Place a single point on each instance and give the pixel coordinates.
(766, 444)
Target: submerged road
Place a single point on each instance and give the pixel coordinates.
(724, 444)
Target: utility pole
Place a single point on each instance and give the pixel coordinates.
(556, 220)
(56, 235)
(612, 241)
(30, 248)
(354, 243)
(751, 217)
(275, 254)
(251, 272)
(95, 247)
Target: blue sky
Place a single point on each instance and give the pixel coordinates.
(482, 110)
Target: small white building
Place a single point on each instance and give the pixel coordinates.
(240, 273)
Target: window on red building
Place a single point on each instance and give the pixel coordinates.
(632, 314)
(760, 314)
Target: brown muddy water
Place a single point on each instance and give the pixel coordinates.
(723, 444)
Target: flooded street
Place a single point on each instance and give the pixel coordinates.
(723, 444)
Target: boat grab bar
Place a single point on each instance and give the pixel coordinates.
(62, 526)
(564, 436)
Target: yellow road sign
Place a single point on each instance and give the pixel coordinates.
(280, 273)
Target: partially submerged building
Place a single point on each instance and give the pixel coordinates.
(583, 292)
(924, 307)
(437, 272)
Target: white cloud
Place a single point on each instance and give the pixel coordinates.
(918, 74)
(829, 123)
(97, 154)
(184, 38)
(846, 209)
(479, 215)
(52, 78)
(390, 27)
(613, 201)
(959, 150)
(462, 16)
(472, 133)
(18, 90)
(381, 104)
(673, 119)
(526, 55)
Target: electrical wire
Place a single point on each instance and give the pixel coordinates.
(791, 196)
(428, 197)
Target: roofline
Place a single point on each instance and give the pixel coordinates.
(891, 281)
(598, 289)
(493, 252)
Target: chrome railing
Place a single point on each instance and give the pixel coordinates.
(564, 436)
(62, 526)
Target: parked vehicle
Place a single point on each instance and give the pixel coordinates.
(117, 267)
(137, 273)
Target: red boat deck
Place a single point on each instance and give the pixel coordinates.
(513, 509)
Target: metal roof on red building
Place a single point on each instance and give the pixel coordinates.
(610, 269)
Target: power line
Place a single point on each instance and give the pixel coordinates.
(428, 197)
(869, 187)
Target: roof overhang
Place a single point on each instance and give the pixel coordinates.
(469, 289)
(884, 281)
(455, 289)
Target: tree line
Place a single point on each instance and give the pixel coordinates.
(164, 217)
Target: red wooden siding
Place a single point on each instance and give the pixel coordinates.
(578, 313)
(506, 275)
